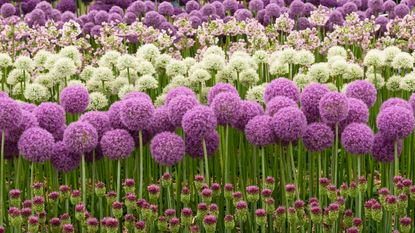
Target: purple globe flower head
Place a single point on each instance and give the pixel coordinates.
(114, 17)
(259, 132)
(199, 122)
(277, 103)
(80, 137)
(375, 5)
(129, 18)
(125, 3)
(149, 6)
(247, 111)
(10, 149)
(411, 101)
(66, 5)
(99, 120)
(84, 19)
(86, 28)
(336, 17)
(191, 6)
(348, 8)
(296, 8)
(168, 27)
(167, 148)
(58, 134)
(208, 9)
(194, 145)
(10, 114)
(357, 139)
(358, 113)
(382, 21)
(117, 144)
(389, 6)
(273, 10)
(36, 17)
(260, 16)
(409, 3)
(178, 106)
(67, 16)
(63, 160)
(137, 7)
(383, 149)
(358, 3)
(195, 21)
(303, 23)
(27, 121)
(153, 19)
(395, 122)
(230, 6)
(256, 5)
(51, 116)
(166, 9)
(7, 10)
(74, 99)
(101, 17)
(309, 99)
(45, 7)
(401, 10)
(333, 107)
(308, 8)
(328, 3)
(225, 106)
(117, 9)
(281, 87)
(395, 102)
(196, 13)
(220, 88)
(361, 14)
(243, 14)
(160, 121)
(219, 9)
(114, 115)
(318, 137)
(289, 124)
(132, 37)
(178, 11)
(36, 145)
(4, 94)
(136, 94)
(27, 106)
(136, 113)
(28, 6)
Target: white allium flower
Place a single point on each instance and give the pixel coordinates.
(251, 63)
(132, 73)
(97, 101)
(287, 56)
(394, 83)
(146, 82)
(94, 85)
(256, 93)
(160, 100)
(390, 53)
(319, 72)
(24, 63)
(17, 90)
(238, 63)
(377, 81)
(148, 52)
(50, 61)
(374, 58)
(338, 68)
(41, 57)
(302, 80)
(47, 80)
(103, 74)
(72, 53)
(353, 71)
(116, 85)
(213, 62)
(200, 76)
(125, 90)
(63, 68)
(403, 60)
(240, 53)
(278, 68)
(17, 75)
(145, 68)
(189, 62)
(195, 67)
(408, 82)
(337, 51)
(214, 50)
(5, 60)
(248, 77)
(274, 56)
(180, 80)
(126, 61)
(162, 61)
(36, 93)
(261, 57)
(227, 75)
(109, 59)
(333, 59)
(75, 82)
(331, 86)
(304, 58)
(87, 73)
(176, 67)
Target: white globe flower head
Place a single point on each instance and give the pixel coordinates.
(337, 51)
(274, 56)
(226, 75)
(302, 80)
(390, 52)
(248, 77)
(176, 67)
(180, 80)
(251, 63)
(125, 90)
(17, 75)
(189, 62)
(146, 82)
(162, 61)
(36, 93)
(87, 73)
(331, 86)
(353, 71)
(408, 83)
(240, 53)
(5, 60)
(403, 61)
(287, 56)
(214, 50)
(278, 68)
(304, 58)
(109, 59)
(24, 63)
(126, 61)
(256, 93)
(94, 85)
(213, 62)
(238, 63)
(97, 101)
(160, 100)
(319, 72)
(116, 85)
(17, 90)
(145, 68)
(64, 68)
(377, 80)
(374, 58)
(50, 61)
(72, 53)
(47, 80)
(338, 68)
(103, 74)
(131, 75)
(193, 68)
(394, 83)
(200, 76)
(148, 52)
(333, 59)
(41, 57)
(75, 82)
(261, 57)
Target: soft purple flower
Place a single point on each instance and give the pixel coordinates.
(117, 144)
(74, 99)
(318, 137)
(166, 9)
(178, 107)
(333, 107)
(99, 120)
(137, 8)
(80, 137)
(289, 124)
(401, 10)
(247, 111)
(230, 5)
(256, 5)
(328, 3)
(153, 19)
(199, 122)
(173, 93)
(243, 14)
(296, 8)
(336, 18)
(362, 89)
(101, 17)
(51, 116)
(167, 148)
(310, 98)
(357, 139)
(348, 8)
(383, 148)
(358, 112)
(259, 130)
(281, 87)
(10, 114)
(220, 88)
(117, 9)
(191, 6)
(36, 145)
(395, 102)
(63, 160)
(136, 113)
(375, 5)
(277, 103)
(395, 122)
(160, 121)
(272, 10)
(389, 6)
(194, 145)
(225, 106)
(7, 10)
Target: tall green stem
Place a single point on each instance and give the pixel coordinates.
(226, 154)
(83, 179)
(206, 162)
(2, 203)
(334, 156)
(140, 141)
(118, 179)
(396, 162)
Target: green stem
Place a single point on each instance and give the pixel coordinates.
(93, 183)
(168, 191)
(263, 166)
(206, 162)
(395, 153)
(140, 140)
(226, 154)
(83, 179)
(118, 179)
(334, 156)
(2, 202)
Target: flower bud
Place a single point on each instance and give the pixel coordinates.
(229, 222)
(100, 189)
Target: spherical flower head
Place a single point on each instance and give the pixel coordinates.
(361, 89)
(383, 148)
(24, 63)
(407, 83)
(281, 87)
(178, 107)
(10, 114)
(411, 101)
(136, 113)
(199, 122)
(247, 110)
(318, 137)
(194, 145)
(395, 122)
(36, 145)
(192, 6)
(7, 10)
(166, 9)
(51, 116)
(310, 98)
(256, 5)
(220, 88)
(117, 144)
(80, 137)
(225, 106)
(173, 93)
(403, 60)
(401, 10)
(167, 148)
(63, 160)
(66, 5)
(99, 120)
(358, 112)
(160, 121)
(395, 102)
(259, 130)
(277, 103)
(289, 124)
(333, 107)
(374, 57)
(357, 138)
(74, 99)
(114, 114)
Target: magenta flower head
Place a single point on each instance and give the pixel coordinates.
(27, 121)
(114, 115)
(220, 88)
(358, 112)
(194, 145)
(160, 121)
(259, 130)
(99, 120)
(7, 10)
(173, 93)
(357, 139)
(199, 122)
(412, 101)
(167, 148)
(80, 137)
(395, 102)
(74, 99)
(10, 114)
(36, 145)
(310, 98)
(318, 137)
(63, 160)
(281, 87)
(333, 107)
(4, 94)
(247, 111)
(256, 5)
(51, 116)
(136, 113)
(117, 144)
(401, 10)
(363, 90)
(383, 148)
(277, 103)
(178, 106)
(136, 94)
(289, 124)
(395, 122)
(226, 106)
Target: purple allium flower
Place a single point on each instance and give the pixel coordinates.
(247, 111)
(395, 102)
(129, 18)
(67, 16)
(243, 14)
(63, 160)
(310, 98)
(272, 10)
(375, 5)
(116, 9)
(357, 139)
(166, 9)
(348, 8)
(114, 114)
(303, 23)
(328, 3)
(289, 124)
(259, 130)
(7, 10)
(220, 88)
(199, 122)
(74, 99)
(80, 137)
(117, 144)
(208, 10)
(27, 121)
(395, 122)
(99, 120)
(10, 114)
(192, 6)
(363, 90)
(137, 8)
(51, 116)
(101, 17)
(256, 5)
(160, 121)
(281, 87)
(36, 144)
(296, 8)
(66, 5)
(333, 107)
(136, 113)
(336, 18)
(389, 6)
(225, 106)
(173, 93)
(152, 18)
(55, 15)
(194, 145)
(383, 148)
(318, 137)
(358, 112)
(401, 10)
(195, 21)
(178, 107)
(277, 103)
(230, 5)
(96, 30)
(167, 148)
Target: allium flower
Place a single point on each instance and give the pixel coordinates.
(10, 114)
(408, 83)
(395, 102)
(63, 68)
(173, 93)
(383, 148)
(357, 138)
(256, 5)
(199, 122)
(220, 88)
(103, 74)
(247, 111)
(318, 137)
(358, 112)
(167, 148)
(24, 63)
(361, 89)
(5, 60)
(72, 53)
(194, 145)
(310, 98)
(374, 58)
(319, 72)
(256, 93)
(117, 144)
(50, 116)
(225, 106)
(353, 71)
(99, 120)
(63, 160)
(336, 51)
(74, 99)
(136, 113)
(395, 122)
(160, 121)
(7, 10)
(403, 61)
(178, 107)
(35, 92)
(289, 124)
(333, 107)
(149, 52)
(259, 130)
(36, 145)
(277, 103)
(87, 73)
(281, 87)
(80, 137)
